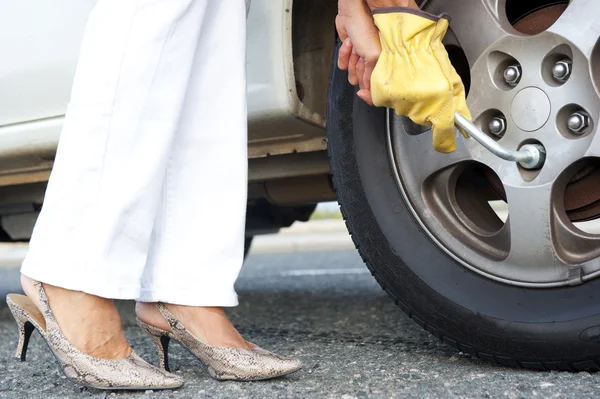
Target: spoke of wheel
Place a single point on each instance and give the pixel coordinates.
(417, 151)
(530, 222)
(580, 24)
(573, 246)
(476, 23)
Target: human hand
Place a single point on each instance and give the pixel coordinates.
(361, 46)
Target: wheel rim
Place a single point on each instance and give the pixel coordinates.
(449, 195)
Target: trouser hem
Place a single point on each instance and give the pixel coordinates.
(103, 289)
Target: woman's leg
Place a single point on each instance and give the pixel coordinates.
(95, 227)
(198, 240)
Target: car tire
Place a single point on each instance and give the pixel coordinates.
(544, 329)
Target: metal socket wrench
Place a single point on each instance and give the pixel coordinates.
(530, 156)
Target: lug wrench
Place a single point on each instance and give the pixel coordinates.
(530, 156)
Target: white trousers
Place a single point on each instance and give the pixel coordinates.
(147, 196)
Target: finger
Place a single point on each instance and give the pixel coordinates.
(444, 140)
(352, 69)
(460, 106)
(365, 95)
(460, 102)
(341, 28)
(344, 54)
(369, 67)
(360, 72)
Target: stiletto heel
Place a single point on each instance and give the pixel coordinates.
(163, 352)
(130, 373)
(25, 330)
(161, 341)
(24, 334)
(238, 364)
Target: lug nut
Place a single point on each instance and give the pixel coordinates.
(497, 126)
(579, 122)
(512, 75)
(562, 70)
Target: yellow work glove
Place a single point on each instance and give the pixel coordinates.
(414, 75)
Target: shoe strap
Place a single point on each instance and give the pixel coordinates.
(51, 323)
(177, 326)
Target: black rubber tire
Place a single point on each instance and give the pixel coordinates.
(544, 329)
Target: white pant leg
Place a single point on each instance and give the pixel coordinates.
(135, 64)
(198, 240)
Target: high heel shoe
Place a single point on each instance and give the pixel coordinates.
(237, 364)
(130, 373)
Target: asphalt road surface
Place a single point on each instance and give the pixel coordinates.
(325, 308)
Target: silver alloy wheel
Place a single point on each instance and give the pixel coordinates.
(538, 246)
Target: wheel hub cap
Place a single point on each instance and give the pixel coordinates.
(530, 109)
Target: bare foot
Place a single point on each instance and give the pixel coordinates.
(209, 324)
(90, 323)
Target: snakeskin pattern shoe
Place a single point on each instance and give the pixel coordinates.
(237, 364)
(130, 373)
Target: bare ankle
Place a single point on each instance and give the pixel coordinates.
(149, 314)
